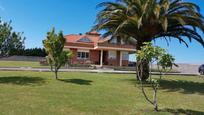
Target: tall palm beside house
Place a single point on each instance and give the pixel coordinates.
(146, 20)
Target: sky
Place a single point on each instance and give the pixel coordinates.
(36, 17)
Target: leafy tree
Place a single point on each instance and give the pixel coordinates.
(140, 21)
(9, 40)
(153, 54)
(54, 45)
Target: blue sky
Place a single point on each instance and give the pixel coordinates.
(36, 17)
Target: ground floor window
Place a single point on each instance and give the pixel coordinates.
(82, 55)
(112, 54)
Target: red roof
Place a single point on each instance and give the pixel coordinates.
(93, 36)
(93, 40)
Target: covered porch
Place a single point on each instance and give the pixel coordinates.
(114, 54)
(113, 58)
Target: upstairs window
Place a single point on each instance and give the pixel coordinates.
(84, 40)
(125, 56)
(116, 40)
(113, 41)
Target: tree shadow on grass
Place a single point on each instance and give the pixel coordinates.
(77, 81)
(182, 86)
(182, 111)
(22, 80)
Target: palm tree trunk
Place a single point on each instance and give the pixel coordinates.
(145, 66)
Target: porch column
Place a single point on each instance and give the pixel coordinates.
(121, 56)
(101, 59)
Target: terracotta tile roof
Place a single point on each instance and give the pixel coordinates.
(72, 38)
(92, 36)
(93, 40)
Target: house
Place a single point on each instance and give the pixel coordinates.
(91, 48)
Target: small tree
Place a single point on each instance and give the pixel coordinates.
(152, 55)
(54, 45)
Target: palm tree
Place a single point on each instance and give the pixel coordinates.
(146, 20)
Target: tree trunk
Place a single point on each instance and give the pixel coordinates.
(144, 73)
(56, 75)
(144, 64)
(155, 100)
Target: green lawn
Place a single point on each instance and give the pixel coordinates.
(35, 93)
(21, 64)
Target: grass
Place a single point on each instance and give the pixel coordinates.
(21, 64)
(33, 64)
(95, 94)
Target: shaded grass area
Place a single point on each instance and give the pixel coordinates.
(22, 80)
(183, 111)
(77, 81)
(183, 86)
(78, 93)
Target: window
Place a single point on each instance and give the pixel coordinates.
(84, 40)
(113, 41)
(112, 54)
(122, 42)
(82, 55)
(125, 56)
